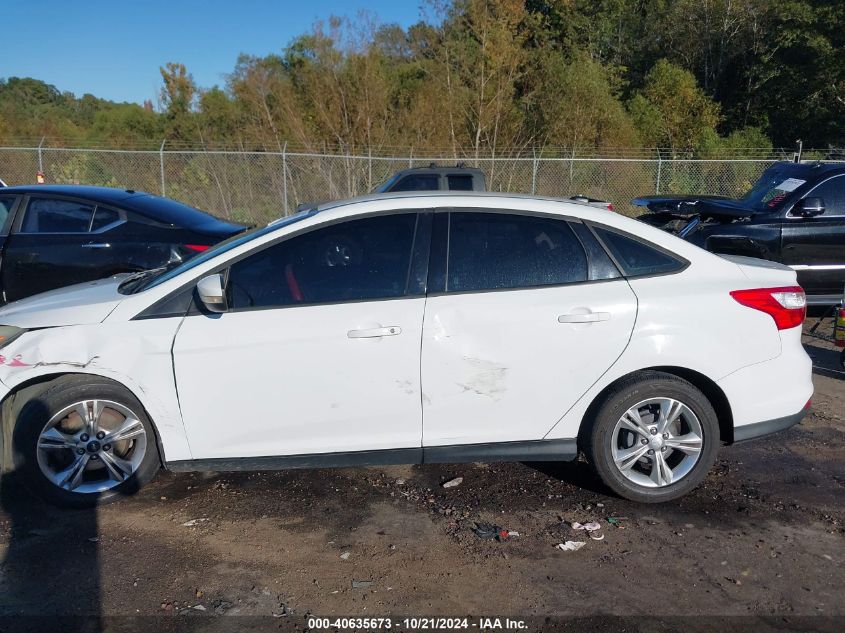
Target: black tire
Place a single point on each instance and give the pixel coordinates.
(842, 359)
(598, 442)
(55, 397)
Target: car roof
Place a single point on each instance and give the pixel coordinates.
(95, 194)
(483, 196)
(439, 169)
(808, 170)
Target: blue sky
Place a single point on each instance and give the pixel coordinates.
(114, 49)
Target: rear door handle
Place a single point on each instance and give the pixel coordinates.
(96, 245)
(589, 317)
(375, 332)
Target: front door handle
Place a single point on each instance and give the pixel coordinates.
(588, 317)
(96, 245)
(375, 332)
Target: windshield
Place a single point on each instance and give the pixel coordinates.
(152, 278)
(771, 191)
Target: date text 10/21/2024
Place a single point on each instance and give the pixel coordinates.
(418, 623)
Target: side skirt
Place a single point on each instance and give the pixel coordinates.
(534, 450)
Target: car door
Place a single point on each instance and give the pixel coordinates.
(55, 242)
(7, 213)
(319, 349)
(523, 324)
(815, 246)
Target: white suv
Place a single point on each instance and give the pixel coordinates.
(409, 328)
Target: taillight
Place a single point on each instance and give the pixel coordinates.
(787, 305)
(199, 248)
(610, 206)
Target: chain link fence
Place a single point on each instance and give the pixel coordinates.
(256, 187)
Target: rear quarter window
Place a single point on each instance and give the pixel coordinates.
(637, 258)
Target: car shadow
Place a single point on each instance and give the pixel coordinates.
(50, 575)
(577, 473)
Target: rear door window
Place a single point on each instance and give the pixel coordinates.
(104, 217)
(496, 251)
(418, 182)
(52, 215)
(460, 182)
(637, 258)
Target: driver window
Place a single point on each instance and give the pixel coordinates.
(832, 192)
(351, 261)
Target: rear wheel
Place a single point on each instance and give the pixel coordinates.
(85, 441)
(654, 437)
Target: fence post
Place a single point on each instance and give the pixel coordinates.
(659, 169)
(534, 174)
(161, 165)
(369, 168)
(40, 161)
(410, 158)
(285, 175)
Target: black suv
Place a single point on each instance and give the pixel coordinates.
(435, 178)
(794, 214)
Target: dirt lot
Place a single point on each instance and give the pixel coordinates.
(763, 536)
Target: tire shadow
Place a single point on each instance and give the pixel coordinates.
(576, 473)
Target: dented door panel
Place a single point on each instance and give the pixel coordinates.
(500, 366)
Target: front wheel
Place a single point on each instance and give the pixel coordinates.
(85, 441)
(654, 437)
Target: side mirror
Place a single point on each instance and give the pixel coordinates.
(810, 207)
(212, 294)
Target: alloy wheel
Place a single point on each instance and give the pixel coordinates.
(91, 446)
(657, 442)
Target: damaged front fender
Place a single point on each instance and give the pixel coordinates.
(135, 354)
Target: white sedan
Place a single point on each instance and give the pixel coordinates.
(408, 329)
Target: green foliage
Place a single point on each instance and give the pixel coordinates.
(672, 111)
(480, 76)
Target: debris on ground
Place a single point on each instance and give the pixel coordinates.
(221, 606)
(362, 584)
(193, 522)
(593, 529)
(345, 556)
(453, 483)
(493, 531)
(617, 522)
(571, 546)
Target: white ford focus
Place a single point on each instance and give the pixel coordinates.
(408, 329)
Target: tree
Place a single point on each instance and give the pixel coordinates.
(578, 105)
(672, 111)
(177, 100)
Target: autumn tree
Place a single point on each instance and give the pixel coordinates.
(177, 100)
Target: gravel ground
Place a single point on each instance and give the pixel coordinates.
(763, 536)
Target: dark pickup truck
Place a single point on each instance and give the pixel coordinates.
(794, 214)
(434, 178)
